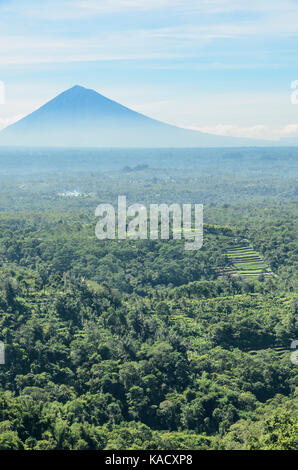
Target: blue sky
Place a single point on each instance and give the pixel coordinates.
(221, 66)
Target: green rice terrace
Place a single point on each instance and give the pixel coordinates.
(246, 262)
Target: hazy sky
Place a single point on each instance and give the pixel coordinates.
(222, 66)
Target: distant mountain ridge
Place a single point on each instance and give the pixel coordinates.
(80, 117)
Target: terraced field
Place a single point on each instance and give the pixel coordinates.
(245, 261)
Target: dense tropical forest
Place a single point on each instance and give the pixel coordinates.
(140, 344)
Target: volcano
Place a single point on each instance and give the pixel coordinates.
(80, 117)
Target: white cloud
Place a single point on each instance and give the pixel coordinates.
(255, 132)
(281, 12)
(75, 8)
(290, 130)
(126, 45)
(4, 122)
(108, 6)
(188, 38)
(137, 44)
(264, 115)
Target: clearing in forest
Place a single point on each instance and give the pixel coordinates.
(245, 261)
